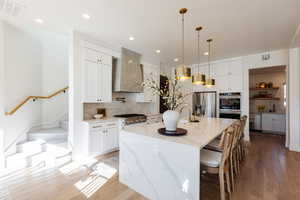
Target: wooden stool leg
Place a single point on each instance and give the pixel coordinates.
(228, 184)
(231, 172)
(222, 185)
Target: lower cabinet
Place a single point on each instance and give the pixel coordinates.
(273, 123)
(102, 138)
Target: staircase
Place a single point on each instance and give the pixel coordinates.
(48, 147)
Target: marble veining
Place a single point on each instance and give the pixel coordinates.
(159, 169)
(199, 134)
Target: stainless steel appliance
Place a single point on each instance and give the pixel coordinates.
(204, 104)
(230, 105)
(133, 118)
(128, 72)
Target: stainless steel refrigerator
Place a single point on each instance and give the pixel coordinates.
(205, 104)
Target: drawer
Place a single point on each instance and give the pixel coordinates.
(97, 126)
(97, 57)
(111, 124)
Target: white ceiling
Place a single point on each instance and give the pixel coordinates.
(238, 27)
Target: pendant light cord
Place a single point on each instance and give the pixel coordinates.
(209, 59)
(199, 51)
(183, 39)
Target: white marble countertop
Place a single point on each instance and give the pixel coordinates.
(199, 134)
(103, 120)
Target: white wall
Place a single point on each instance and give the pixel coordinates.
(1, 94)
(23, 67)
(294, 99)
(54, 77)
(36, 63)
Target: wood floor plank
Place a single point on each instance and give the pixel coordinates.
(270, 172)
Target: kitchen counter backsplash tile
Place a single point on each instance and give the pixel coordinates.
(116, 108)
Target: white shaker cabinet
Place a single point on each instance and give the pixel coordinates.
(100, 137)
(228, 75)
(97, 77)
(273, 122)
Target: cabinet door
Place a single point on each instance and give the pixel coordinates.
(114, 137)
(235, 83)
(257, 122)
(278, 123)
(110, 139)
(235, 68)
(222, 83)
(267, 122)
(220, 69)
(90, 81)
(95, 142)
(105, 83)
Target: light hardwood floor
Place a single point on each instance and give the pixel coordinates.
(270, 172)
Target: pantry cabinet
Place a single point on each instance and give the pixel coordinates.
(97, 70)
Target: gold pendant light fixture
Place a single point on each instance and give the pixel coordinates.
(210, 81)
(183, 72)
(198, 78)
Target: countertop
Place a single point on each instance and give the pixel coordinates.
(274, 113)
(103, 120)
(199, 134)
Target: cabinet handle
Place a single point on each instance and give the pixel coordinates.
(97, 126)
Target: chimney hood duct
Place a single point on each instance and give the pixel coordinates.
(128, 72)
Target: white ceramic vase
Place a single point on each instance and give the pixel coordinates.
(171, 119)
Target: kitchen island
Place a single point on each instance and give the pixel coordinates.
(165, 167)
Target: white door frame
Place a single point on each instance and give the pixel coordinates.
(246, 105)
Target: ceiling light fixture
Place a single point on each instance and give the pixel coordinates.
(183, 72)
(39, 21)
(210, 82)
(176, 59)
(131, 38)
(86, 16)
(206, 53)
(157, 51)
(198, 78)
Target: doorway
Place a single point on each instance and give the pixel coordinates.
(268, 101)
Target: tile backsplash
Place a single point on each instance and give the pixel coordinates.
(115, 108)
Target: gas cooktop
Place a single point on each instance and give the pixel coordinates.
(133, 118)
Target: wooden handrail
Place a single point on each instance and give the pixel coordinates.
(35, 98)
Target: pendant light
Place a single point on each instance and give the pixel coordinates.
(183, 72)
(198, 78)
(210, 81)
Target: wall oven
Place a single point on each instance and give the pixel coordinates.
(230, 105)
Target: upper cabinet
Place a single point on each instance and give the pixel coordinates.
(97, 76)
(150, 72)
(228, 75)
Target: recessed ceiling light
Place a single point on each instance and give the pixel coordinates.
(206, 53)
(157, 51)
(38, 20)
(176, 59)
(131, 38)
(86, 16)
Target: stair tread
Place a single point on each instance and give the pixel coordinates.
(22, 155)
(49, 131)
(33, 142)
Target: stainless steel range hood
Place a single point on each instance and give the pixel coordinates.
(128, 72)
